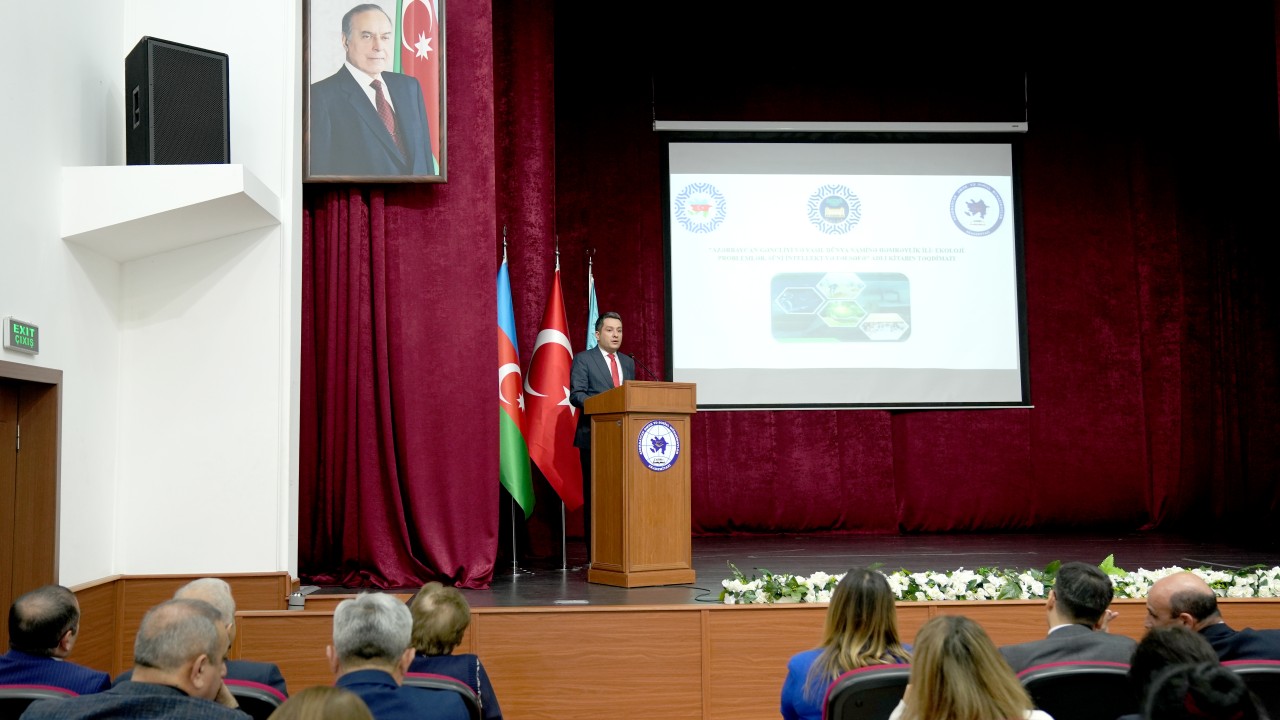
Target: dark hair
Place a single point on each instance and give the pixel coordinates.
(1194, 691)
(38, 619)
(1197, 604)
(1083, 590)
(366, 7)
(605, 316)
(1163, 647)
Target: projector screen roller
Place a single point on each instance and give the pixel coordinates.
(845, 274)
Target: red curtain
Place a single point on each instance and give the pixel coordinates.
(1148, 195)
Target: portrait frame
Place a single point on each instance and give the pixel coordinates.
(344, 138)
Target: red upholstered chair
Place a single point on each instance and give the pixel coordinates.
(866, 693)
(14, 699)
(1263, 678)
(1078, 690)
(256, 699)
(432, 681)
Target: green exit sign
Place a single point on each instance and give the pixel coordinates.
(21, 336)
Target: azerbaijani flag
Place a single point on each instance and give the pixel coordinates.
(552, 419)
(420, 44)
(513, 453)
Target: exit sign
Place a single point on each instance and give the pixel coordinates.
(21, 336)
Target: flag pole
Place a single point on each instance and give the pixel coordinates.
(564, 551)
(515, 548)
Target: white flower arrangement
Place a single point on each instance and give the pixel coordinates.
(986, 584)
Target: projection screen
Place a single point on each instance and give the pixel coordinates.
(846, 272)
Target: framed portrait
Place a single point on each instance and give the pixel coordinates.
(373, 91)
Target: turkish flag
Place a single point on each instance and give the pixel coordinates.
(421, 45)
(549, 418)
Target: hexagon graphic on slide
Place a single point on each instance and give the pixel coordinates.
(799, 301)
(842, 313)
(884, 326)
(841, 286)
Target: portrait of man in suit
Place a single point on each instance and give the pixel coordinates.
(366, 121)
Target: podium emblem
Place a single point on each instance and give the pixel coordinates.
(658, 445)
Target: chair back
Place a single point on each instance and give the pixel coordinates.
(866, 693)
(1080, 690)
(14, 699)
(256, 699)
(432, 681)
(1263, 678)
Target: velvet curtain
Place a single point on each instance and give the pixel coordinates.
(1148, 193)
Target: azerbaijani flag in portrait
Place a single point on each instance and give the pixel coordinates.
(420, 43)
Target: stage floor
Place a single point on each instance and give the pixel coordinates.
(547, 583)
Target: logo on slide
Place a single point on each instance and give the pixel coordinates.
(834, 209)
(700, 208)
(977, 209)
(659, 445)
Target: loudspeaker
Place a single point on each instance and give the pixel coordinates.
(176, 105)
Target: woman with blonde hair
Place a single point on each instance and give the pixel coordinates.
(958, 674)
(861, 630)
(322, 702)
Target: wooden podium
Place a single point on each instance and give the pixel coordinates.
(640, 462)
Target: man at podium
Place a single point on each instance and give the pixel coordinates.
(595, 371)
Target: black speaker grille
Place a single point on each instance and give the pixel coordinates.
(183, 116)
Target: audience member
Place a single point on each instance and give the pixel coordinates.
(321, 702)
(1076, 610)
(440, 617)
(1161, 648)
(1185, 598)
(958, 674)
(861, 629)
(43, 625)
(1201, 691)
(178, 659)
(370, 654)
(217, 593)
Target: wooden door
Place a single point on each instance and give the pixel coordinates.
(29, 409)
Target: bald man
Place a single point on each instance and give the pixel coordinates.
(1186, 599)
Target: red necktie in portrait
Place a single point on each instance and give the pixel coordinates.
(384, 112)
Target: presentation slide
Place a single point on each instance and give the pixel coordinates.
(860, 274)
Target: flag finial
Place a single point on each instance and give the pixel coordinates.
(504, 243)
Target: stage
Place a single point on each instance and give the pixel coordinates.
(542, 583)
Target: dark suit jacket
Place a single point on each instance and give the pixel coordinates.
(1073, 642)
(143, 701)
(467, 668)
(389, 701)
(348, 138)
(19, 668)
(590, 376)
(259, 672)
(1246, 644)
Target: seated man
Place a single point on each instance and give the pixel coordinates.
(178, 659)
(43, 625)
(1186, 599)
(217, 593)
(370, 654)
(440, 616)
(1076, 610)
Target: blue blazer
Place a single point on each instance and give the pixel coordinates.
(348, 138)
(1246, 644)
(467, 668)
(389, 701)
(590, 376)
(19, 668)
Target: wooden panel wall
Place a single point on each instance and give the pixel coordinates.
(713, 662)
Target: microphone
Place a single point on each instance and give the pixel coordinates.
(646, 370)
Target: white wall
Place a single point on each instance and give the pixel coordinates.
(179, 413)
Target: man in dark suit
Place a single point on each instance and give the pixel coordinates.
(1077, 614)
(217, 593)
(1185, 598)
(370, 654)
(43, 625)
(179, 653)
(593, 372)
(364, 119)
